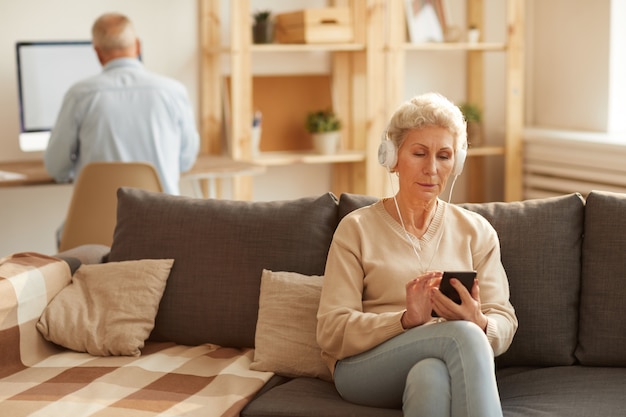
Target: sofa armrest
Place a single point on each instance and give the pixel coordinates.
(84, 254)
(28, 282)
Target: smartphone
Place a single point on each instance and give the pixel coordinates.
(466, 278)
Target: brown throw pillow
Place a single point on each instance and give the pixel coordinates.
(108, 309)
(285, 341)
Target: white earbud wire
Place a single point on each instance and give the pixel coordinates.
(408, 237)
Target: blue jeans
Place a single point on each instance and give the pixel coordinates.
(443, 369)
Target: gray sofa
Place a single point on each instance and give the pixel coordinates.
(565, 258)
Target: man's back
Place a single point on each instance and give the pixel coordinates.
(123, 114)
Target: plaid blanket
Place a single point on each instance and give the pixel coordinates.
(39, 379)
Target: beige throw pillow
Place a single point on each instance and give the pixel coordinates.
(108, 309)
(285, 341)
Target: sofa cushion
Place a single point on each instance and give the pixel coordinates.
(602, 336)
(541, 246)
(309, 397)
(28, 281)
(563, 391)
(220, 248)
(168, 380)
(350, 202)
(108, 309)
(285, 341)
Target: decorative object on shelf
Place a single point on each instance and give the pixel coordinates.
(324, 127)
(474, 117)
(473, 34)
(453, 33)
(425, 20)
(256, 133)
(263, 27)
(322, 25)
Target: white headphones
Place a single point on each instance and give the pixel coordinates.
(388, 156)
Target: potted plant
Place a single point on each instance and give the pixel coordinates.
(474, 117)
(263, 27)
(324, 127)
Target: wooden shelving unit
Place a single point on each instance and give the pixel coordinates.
(355, 83)
(310, 157)
(366, 84)
(398, 47)
(455, 46)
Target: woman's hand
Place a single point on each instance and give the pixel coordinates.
(469, 309)
(418, 299)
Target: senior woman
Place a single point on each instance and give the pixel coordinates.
(389, 336)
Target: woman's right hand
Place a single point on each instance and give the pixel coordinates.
(418, 304)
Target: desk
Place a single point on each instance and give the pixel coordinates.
(13, 174)
(212, 167)
(207, 167)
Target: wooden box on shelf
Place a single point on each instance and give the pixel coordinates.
(321, 25)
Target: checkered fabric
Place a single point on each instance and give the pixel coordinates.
(38, 378)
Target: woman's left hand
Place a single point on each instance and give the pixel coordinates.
(469, 309)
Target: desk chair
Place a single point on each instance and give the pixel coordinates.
(92, 212)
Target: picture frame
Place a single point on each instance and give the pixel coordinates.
(425, 20)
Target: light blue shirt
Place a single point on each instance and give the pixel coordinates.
(124, 114)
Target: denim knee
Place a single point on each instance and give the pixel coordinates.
(427, 389)
(469, 334)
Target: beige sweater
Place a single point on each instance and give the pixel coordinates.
(370, 261)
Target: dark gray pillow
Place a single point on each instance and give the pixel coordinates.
(220, 248)
(350, 202)
(602, 337)
(541, 247)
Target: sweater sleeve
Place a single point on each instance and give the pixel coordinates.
(344, 329)
(494, 289)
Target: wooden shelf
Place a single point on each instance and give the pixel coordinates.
(486, 151)
(291, 47)
(301, 47)
(456, 46)
(310, 157)
(307, 157)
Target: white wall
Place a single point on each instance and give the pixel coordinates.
(617, 72)
(569, 77)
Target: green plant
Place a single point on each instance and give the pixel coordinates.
(322, 121)
(261, 16)
(472, 113)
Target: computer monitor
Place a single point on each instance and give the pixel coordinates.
(45, 71)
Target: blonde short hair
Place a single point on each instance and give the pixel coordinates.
(113, 31)
(429, 109)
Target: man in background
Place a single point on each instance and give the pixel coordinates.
(125, 113)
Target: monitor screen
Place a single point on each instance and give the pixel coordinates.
(45, 71)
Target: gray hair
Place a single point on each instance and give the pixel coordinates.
(429, 109)
(113, 31)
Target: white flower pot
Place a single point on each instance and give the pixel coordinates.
(326, 143)
(473, 35)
